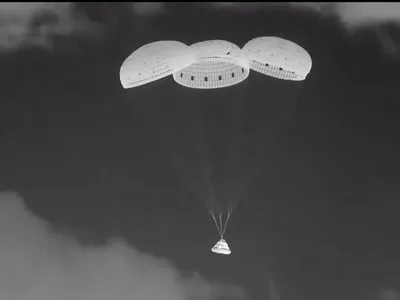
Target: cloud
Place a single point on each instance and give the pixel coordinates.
(388, 294)
(147, 8)
(352, 14)
(358, 14)
(36, 263)
(33, 24)
(25, 24)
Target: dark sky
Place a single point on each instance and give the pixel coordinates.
(321, 210)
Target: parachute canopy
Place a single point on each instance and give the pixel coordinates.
(277, 57)
(221, 247)
(155, 61)
(218, 64)
(215, 63)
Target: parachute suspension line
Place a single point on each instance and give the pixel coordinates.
(211, 208)
(216, 224)
(226, 222)
(231, 207)
(221, 226)
(232, 204)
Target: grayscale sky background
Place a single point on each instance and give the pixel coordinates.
(91, 160)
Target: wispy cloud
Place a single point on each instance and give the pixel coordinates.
(38, 264)
(27, 24)
(389, 294)
(352, 14)
(364, 13)
(35, 23)
(147, 8)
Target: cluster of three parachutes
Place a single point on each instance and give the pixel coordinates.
(215, 64)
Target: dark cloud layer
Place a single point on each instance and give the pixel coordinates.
(27, 24)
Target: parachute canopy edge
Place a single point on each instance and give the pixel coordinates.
(219, 64)
(154, 61)
(277, 57)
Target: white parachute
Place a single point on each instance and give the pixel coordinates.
(279, 58)
(155, 61)
(218, 64)
(215, 64)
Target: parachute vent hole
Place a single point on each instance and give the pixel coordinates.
(280, 69)
(219, 77)
(228, 53)
(233, 75)
(205, 78)
(192, 78)
(242, 70)
(267, 65)
(181, 75)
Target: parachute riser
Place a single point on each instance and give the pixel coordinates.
(220, 222)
